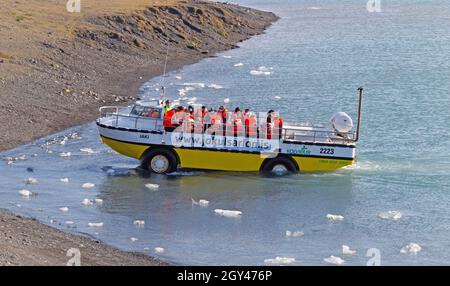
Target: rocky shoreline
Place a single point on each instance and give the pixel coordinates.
(57, 68)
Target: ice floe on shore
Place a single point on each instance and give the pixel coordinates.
(95, 224)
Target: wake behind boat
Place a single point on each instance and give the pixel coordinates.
(165, 138)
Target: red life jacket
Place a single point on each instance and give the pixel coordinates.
(168, 118)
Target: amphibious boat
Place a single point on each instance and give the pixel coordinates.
(139, 131)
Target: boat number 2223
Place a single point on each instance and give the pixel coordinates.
(329, 151)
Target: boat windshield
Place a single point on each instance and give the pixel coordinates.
(146, 111)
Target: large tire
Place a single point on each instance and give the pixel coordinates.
(279, 166)
(160, 161)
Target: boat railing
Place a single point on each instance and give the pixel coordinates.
(119, 117)
(311, 135)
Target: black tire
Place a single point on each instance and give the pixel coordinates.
(160, 161)
(270, 166)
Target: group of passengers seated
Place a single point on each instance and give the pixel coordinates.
(221, 122)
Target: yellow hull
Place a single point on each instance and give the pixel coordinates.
(226, 160)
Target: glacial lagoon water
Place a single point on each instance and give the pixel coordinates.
(315, 57)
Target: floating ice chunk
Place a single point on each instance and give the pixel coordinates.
(277, 97)
(9, 162)
(98, 201)
(202, 203)
(95, 224)
(215, 86)
(332, 217)
(146, 249)
(133, 239)
(239, 65)
(88, 185)
(139, 223)
(87, 202)
(314, 8)
(334, 260)
(195, 84)
(159, 250)
(87, 150)
(390, 215)
(347, 251)
(69, 222)
(152, 187)
(19, 205)
(25, 193)
(279, 260)
(64, 209)
(64, 180)
(228, 213)
(294, 233)
(65, 154)
(262, 71)
(178, 77)
(412, 248)
(30, 181)
(227, 57)
(226, 100)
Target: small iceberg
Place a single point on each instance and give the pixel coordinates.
(65, 154)
(332, 217)
(98, 201)
(139, 223)
(159, 250)
(347, 251)
(334, 260)
(228, 213)
(95, 224)
(30, 181)
(133, 239)
(152, 187)
(64, 180)
(279, 260)
(88, 185)
(64, 209)
(227, 57)
(226, 100)
(178, 77)
(87, 150)
(412, 248)
(215, 86)
(195, 84)
(25, 193)
(277, 97)
(262, 71)
(238, 65)
(390, 215)
(202, 203)
(87, 202)
(69, 222)
(294, 233)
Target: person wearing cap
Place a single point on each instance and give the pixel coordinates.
(167, 106)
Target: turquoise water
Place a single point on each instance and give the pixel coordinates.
(319, 52)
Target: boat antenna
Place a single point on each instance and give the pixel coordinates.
(163, 89)
(360, 89)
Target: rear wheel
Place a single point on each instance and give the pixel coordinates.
(279, 166)
(160, 161)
